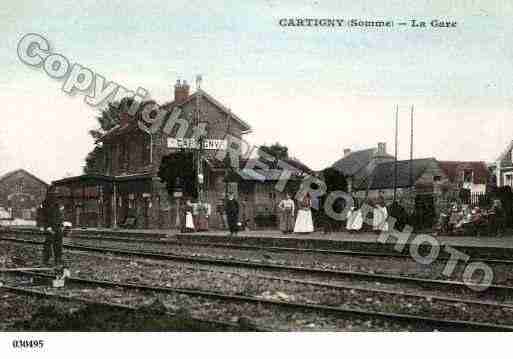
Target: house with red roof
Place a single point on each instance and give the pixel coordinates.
(471, 175)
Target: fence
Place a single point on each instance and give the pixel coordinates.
(482, 200)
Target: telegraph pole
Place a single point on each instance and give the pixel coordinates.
(411, 147)
(199, 151)
(395, 159)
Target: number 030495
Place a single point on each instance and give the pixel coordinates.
(27, 344)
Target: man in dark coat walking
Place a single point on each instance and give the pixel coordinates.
(232, 214)
(54, 217)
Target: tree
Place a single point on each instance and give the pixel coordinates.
(108, 118)
(335, 181)
(276, 150)
(177, 171)
(95, 161)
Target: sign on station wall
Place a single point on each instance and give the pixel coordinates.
(192, 143)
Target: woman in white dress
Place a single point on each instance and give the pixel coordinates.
(189, 220)
(354, 220)
(304, 223)
(379, 218)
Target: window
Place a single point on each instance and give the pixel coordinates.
(468, 176)
(19, 186)
(127, 155)
(437, 178)
(146, 150)
(25, 214)
(113, 157)
(108, 160)
(468, 179)
(508, 179)
(90, 206)
(121, 155)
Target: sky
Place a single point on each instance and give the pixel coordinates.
(315, 90)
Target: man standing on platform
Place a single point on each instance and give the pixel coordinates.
(232, 214)
(287, 214)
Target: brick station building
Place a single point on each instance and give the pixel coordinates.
(128, 185)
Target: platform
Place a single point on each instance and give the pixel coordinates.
(496, 247)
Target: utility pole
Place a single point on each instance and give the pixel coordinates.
(199, 151)
(395, 157)
(411, 147)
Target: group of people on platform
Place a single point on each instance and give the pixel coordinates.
(297, 217)
(355, 218)
(461, 219)
(303, 222)
(195, 216)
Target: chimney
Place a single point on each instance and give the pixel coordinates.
(181, 91)
(382, 149)
(347, 151)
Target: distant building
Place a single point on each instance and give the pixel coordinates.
(261, 190)
(423, 175)
(357, 166)
(504, 167)
(20, 194)
(470, 175)
(423, 185)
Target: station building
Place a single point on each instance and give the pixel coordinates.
(128, 185)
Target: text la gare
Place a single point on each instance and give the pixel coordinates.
(433, 23)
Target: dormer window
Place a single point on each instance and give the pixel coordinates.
(19, 186)
(508, 179)
(468, 176)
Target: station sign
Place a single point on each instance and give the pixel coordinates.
(192, 143)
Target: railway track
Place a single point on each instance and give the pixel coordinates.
(445, 300)
(271, 248)
(41, 292)
(497, 292)
(422, 322)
